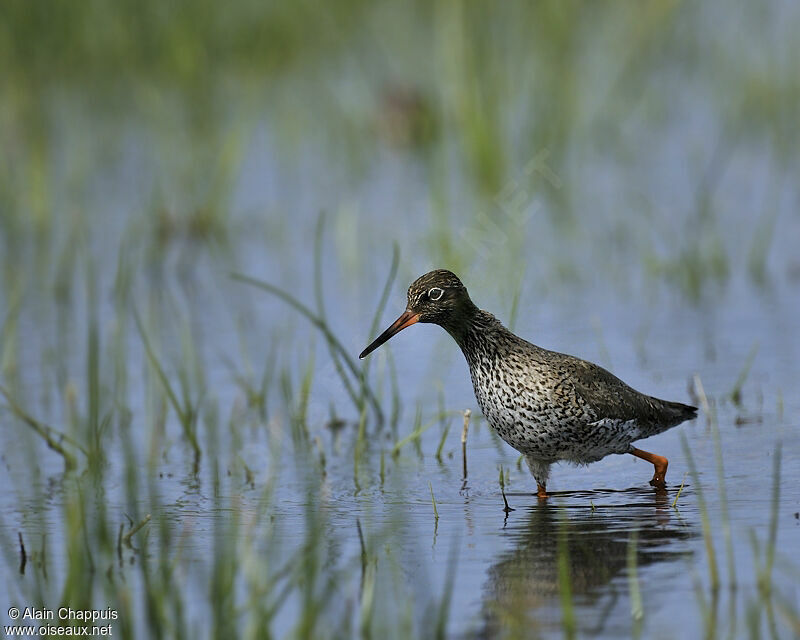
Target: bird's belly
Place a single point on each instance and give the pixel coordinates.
(536, 426)
(530, 427)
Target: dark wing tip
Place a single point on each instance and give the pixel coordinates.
(673, 413)
(687, 411)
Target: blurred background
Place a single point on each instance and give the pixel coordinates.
(594, 143)
(617, 181)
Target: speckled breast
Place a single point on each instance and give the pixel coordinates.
(542, 420)
(520, 415)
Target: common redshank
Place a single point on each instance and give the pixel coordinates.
(549, 406)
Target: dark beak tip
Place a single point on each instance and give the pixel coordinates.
(405, 320)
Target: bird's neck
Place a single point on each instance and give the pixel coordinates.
(477, 332)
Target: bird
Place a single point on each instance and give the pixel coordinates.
(549, 406)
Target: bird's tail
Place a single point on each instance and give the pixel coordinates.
(665, 415)
(677, 412)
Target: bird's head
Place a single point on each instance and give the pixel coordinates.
(438, 297)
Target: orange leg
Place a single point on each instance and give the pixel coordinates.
(659, 462)
(541, 492)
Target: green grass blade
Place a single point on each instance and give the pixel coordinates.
(320, 324)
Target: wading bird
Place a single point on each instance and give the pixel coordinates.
(549, 406)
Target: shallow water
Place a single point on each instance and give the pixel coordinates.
(505, 566)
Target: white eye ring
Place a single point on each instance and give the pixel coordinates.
(435, 293)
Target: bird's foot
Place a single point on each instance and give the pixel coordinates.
(660, 464)
(541, 492)
(659, 475)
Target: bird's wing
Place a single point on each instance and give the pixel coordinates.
(609, 397)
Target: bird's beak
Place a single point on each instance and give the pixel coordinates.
(405, 320)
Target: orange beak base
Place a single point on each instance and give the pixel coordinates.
(405, 320)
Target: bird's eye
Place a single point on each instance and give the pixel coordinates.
(435, 293)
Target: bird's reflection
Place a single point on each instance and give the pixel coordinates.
(584, 537)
